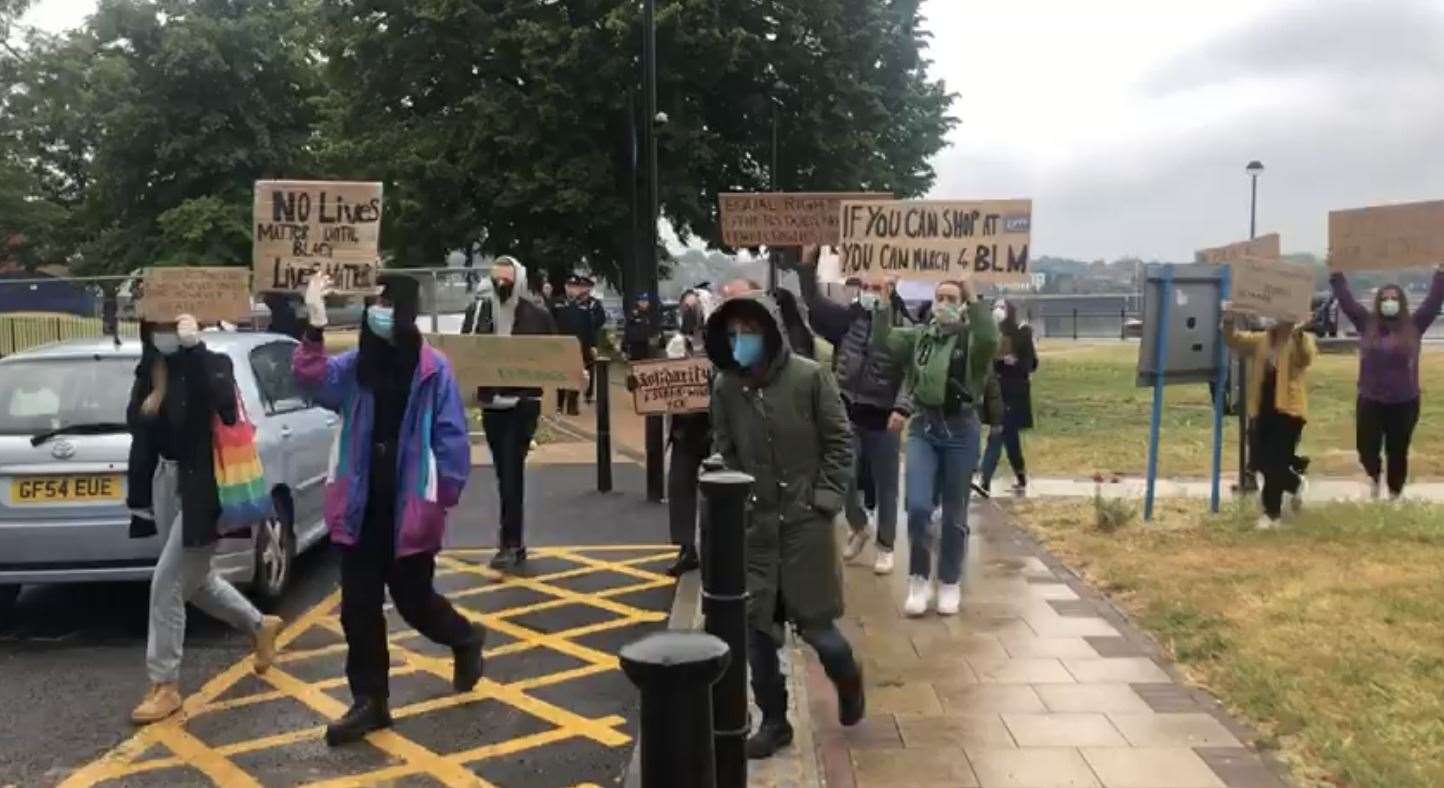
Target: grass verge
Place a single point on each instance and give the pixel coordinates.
(1327, 634)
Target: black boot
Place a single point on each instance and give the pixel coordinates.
(508, 558)
(771, 736)
(466, 661)
(851, 700)
(686, 562)
(365, 715)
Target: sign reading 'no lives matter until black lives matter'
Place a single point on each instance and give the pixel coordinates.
(302, 227)
(937, 240)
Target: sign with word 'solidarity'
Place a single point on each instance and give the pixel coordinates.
(681, 385)
(489, 361)
(208, 294)
(937, 240)
(1387, 236)
(305, 227)
(784, 218)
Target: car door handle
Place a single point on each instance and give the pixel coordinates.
(330, 421)
(285, 430)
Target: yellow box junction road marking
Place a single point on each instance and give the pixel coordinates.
(170, 744)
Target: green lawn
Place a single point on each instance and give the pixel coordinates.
(1326, 634)
(1092, 417)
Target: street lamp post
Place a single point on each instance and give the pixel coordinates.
(655, 441)
(1246, 483)
(774, 180)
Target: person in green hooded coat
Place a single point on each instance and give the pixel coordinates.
(779, 417)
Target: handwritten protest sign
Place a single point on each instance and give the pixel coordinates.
(545, 362)
(1387, 236)
(675, 386)
(302, 227)
(1273, 288)
(1264, 247)
(985, 240)
(785, 219)
(207, 294)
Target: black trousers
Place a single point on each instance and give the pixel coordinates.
(864, 480)
(1274, 438)
(509, 434)
(366, 571)
(682, 492)
(769, 686)
(1388, 427)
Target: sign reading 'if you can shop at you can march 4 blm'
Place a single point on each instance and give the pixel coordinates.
(486, 361)
(681, 385)
(937, 240)
(305, 227)
(785, 218)
(208, 294)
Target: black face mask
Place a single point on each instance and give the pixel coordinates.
(503, 290)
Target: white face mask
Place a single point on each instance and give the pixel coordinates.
(868, 301)
(1389, 307)
(1000, 314)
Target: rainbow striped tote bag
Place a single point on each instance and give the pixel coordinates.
(240, 482)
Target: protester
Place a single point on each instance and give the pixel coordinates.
(583, 317)
(403, 457)
(690, 439)
(1276, 404)
(946, 366)
(180, 388)
(1388, 403)
(799, 336)
(509, 416)
(778, 417)
(638, 337)
(1017, 360)
(869, 379)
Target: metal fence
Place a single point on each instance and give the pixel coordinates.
(1111, 316)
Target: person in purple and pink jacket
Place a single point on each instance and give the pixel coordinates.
(399, 463)
(1388, 406)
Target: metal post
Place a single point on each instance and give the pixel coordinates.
(1160, 361)
(435, 316)
(724, 604)
(1075, 324)
(675, 672)
(601, 369)
(656, 443)
(1220, 376)
(1246, 482)
(1123, 322)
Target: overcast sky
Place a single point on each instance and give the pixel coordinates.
(1129, 122)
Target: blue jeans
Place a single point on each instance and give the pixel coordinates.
(876, 451)
(941, 456)
(1004, 435)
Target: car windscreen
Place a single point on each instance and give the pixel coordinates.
(48, 394)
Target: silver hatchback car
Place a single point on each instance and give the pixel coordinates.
(63, 454)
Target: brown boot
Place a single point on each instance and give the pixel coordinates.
(266, 642)
(162, 701)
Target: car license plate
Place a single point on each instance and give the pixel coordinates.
(65, 489)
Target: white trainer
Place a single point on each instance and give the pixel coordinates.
(1265, 523)
(856, 541)
(919, 595)
(883, 564)
(950, 598)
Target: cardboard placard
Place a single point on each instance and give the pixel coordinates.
(681, 385)
(785, 218)
(1387, 236)
(207, 294)
(302, 227)
(936, 240)
(1273, 288)
(545, 362)
(1264, 247)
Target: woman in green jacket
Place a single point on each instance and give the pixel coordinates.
(946, 367)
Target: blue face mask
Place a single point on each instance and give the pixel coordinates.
(747, 349)
(382, 320)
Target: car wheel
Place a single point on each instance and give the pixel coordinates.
(8, 595)
(275, 557)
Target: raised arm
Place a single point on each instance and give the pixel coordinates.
(1305, 349)
(1241, 341)
(983, 331)
(326, 377)
(834, 436)
(1357, 314)
(896, 341)
(1425, 315)
(829, 319)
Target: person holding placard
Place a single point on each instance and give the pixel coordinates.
(778, 417)
(1387, 409)
(181, 388)
(946, 366)
(400, 462)
(689, 437)
(1277, 405)
(869, 379)
(509, 415)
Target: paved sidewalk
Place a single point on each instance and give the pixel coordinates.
(1320, 489)
(1039, 682)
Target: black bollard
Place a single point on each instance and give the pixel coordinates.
(727, 496)
(656, 462)
(675, 672)
(603, 387)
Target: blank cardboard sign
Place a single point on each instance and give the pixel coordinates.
(1409, 235)
(207, 294)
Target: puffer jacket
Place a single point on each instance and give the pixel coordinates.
(788, 430)
(931, 354)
